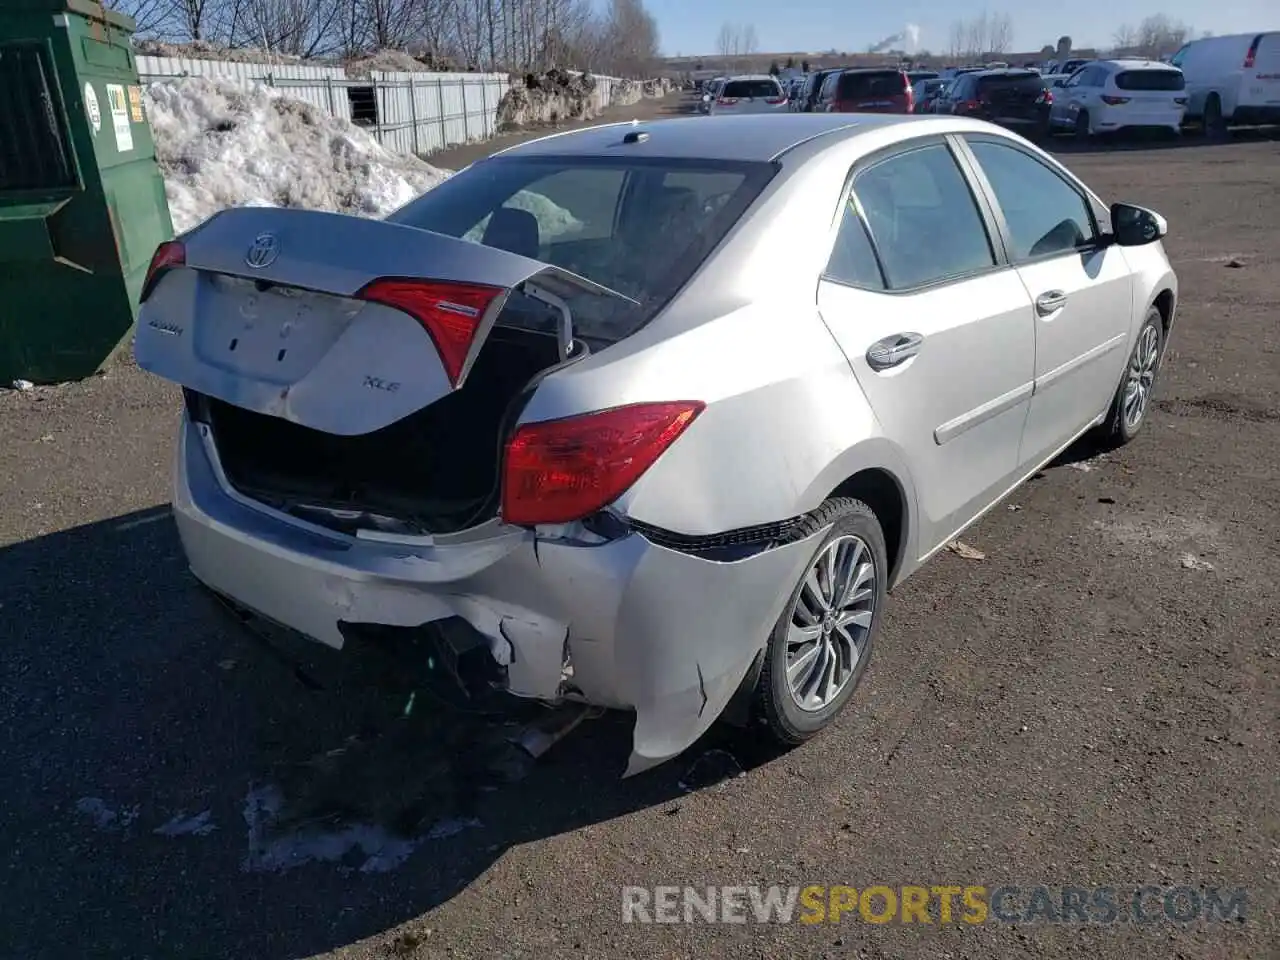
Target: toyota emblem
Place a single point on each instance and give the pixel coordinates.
(263, 252)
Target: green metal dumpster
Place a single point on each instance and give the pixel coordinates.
(82, 203)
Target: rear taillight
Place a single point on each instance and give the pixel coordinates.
(727, 101)
(1114, 101)
(775, 100)
(168, 255)
(911, 99)
(1251, 57)
(965, 106)
(558, 471)
(1046, 97)
(449, 312)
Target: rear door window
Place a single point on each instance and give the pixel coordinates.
(853, 260)
(1151, 80)
(750, 89)
(923, 218)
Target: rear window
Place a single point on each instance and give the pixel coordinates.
(856, 86)
(757, 89)
(640, 227)
(1020, 82)
(1151, 80)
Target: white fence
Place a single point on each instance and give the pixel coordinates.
(407, 112)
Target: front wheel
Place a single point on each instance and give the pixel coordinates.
(1132, 402)
(820, 646)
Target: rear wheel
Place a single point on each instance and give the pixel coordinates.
(820, 646)
(1214, 124)
(1083, 133)
(1132, 402)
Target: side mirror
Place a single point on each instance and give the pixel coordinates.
(1134, 226)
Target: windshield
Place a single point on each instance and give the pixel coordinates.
(639, 227)
(1151, 80)
(754, 89)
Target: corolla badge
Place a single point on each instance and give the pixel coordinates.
(263, 251)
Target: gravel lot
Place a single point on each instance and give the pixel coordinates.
(1095, 702)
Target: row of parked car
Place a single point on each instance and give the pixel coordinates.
(1215, 81)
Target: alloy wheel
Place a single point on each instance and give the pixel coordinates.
(830, 622)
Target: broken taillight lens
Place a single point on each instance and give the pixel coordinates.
(558, 471)
(450, 312)
(168, 255)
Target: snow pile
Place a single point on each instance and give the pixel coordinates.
(221, 145)
(627, 92)
(207, 50)
(552, 97)
(394, 61)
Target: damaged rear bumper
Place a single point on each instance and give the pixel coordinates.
(623, 624)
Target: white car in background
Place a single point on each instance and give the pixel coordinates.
(751, 94)
(1106, 96)
(1233, 79)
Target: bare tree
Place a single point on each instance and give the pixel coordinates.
(515, 35)
(980, 36)
(1159, 36)
(999, 33)
(1125, 38)
(737, 39)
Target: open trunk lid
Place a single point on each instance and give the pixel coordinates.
(301, 314)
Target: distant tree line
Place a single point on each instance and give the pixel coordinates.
(621, 39)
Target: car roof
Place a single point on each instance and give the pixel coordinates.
(1006, 72)
(753, 76)
(1136, 63)
(751, 137)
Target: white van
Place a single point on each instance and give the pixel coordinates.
(1232, 79)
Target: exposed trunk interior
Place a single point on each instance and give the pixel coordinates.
(435, 471)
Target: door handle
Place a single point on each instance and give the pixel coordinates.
(1050, 302)
(891, 351)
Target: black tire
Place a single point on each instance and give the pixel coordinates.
(1116, 430)
(1215, 128)
(776, 707)
(1082, 127)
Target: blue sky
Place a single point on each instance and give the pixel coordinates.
(690, 28)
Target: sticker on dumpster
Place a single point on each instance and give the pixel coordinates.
(91, 107)
(135, 104)
(120, 117)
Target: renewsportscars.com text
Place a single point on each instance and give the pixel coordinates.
(933, 904)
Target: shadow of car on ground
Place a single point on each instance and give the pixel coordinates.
(173, 790)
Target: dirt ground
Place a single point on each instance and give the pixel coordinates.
(1094, 703)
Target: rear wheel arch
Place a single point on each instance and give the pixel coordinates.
(884, 494)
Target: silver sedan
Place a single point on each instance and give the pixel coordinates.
(649, 417)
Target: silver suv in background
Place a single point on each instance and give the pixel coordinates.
(749, 94)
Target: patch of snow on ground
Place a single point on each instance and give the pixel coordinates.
(201, 825)
(272, 849)
(220, 144)
(95, 809)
